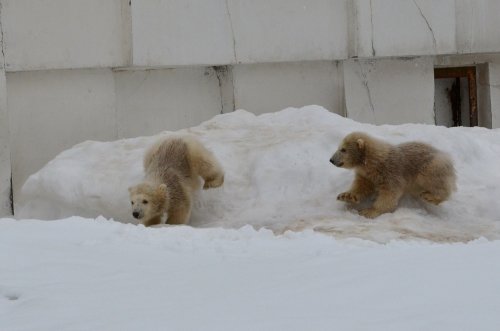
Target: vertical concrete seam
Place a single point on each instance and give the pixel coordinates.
(228, 12)
(11, 196)
(115, 105)
(11, 191)
(231, 78)
(219, 74)
(340, 73)
(225, 77)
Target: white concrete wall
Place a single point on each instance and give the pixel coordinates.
(53, 34)
(478, 26)
(266, 88)
(212, 32)
(423, 27)
(403, 27)
(390, 91)
(50, 111)
(151, 101)
(182, 32)
(289, 30)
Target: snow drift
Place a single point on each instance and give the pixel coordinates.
(278, 176)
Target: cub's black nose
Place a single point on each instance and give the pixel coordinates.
(135, 214)
(332, 162)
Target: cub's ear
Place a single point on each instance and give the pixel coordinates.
(361, 143)
(131, 189)
(162, 189)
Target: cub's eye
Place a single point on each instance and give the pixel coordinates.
(132, 202)
(145, 202)
(343, 150)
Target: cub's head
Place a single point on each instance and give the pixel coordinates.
(351, 152)
(148, 202)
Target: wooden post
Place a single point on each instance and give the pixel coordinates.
(471, 77)
(470, 73)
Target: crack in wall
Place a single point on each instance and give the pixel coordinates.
(226, 91)
(364, 75)
(434, 42)
(228, 12)
(2, 36)
(11, 196)
(218, 73)
(371, 22)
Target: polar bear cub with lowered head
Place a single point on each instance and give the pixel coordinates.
(173, 166)
(388, 171)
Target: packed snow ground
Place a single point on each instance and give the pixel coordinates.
(94, 273)
(278, 176)
(83, 274)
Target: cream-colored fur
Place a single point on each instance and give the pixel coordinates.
(388, 171)
(173, 168)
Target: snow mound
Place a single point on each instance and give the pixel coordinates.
(278, 176)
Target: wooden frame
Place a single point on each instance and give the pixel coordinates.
(470, 74)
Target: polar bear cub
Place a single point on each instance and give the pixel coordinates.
(388, 171)
(172, 169)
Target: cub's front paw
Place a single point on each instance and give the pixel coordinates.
(213, 183)
(431, 198)
(348, 197)
(369, 213)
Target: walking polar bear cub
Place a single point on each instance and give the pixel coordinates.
(388, 171)
(173, 167)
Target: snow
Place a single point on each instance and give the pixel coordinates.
(278, 176)
(270, 250)
(84, 274)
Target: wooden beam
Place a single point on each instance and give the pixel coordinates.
(453, 72)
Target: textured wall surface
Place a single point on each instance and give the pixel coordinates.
(391, 91)
(182, 32)
(270, 87)
(403, 27)
(55, 34)
(50, 111)
(478, 26)
(151, 101)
